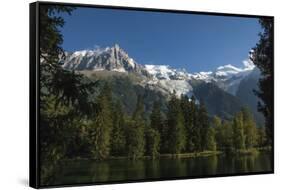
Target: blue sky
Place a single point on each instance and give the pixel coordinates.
(194, 42)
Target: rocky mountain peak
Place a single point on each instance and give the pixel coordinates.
(110, 58)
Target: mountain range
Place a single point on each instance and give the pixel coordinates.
(224, 90)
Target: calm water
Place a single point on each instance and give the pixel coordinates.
(115, 170)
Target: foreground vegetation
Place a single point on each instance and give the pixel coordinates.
(185, 128)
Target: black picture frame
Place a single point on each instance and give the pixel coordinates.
(34, 98)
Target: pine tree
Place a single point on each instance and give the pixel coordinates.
(63, 94)
(250, 129)
(152, 142)
(156, 119)
(196, 126)
(135, 132)
(203, 127)
(102, 126)
(191, 120)
(157, 123)
(188, 121)
(262, 57)
(176, 131)
(135, 139)
(211, 140)
(57, 131)
(238, 132)
(217, 124)
(138, 114)
(67, 86)
(164, 144)
(227, 143)
(50, 37)
(261, 137)
(118, 138)
(223, 134)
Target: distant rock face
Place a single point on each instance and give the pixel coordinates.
(160, 77)
(110, 58)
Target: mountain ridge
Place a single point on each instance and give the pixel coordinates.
(162, 77)
(218, 88)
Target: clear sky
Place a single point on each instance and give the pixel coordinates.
(194, 42)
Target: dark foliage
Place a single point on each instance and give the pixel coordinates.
(217, 101)
(262, 57)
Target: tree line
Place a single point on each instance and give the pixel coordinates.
(185, 127)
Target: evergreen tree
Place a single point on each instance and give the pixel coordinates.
(186, 106)
(57, 131)
(203, 127)
(135, 139)
(223, 134)
(219, 132)
(192, 123)
(261, 137)
(152, 142)
(118, 138)
(262, 57)
(138, 114)
(64, 96)
(50, 37)
(157, 123)
(102, 126)
(67, 86)
(156, 119)
(176, 131)
(164, 144)
(135, 132)
(227, 138)
(238, 132)
(211, 139)
(249, 128)
(197, 126)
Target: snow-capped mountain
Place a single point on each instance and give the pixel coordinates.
(161, 77)
(167, 79)
(227, 77)
(165, 72)
(110, 58)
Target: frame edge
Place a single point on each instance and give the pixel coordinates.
(33, 151)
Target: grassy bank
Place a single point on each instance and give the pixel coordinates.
(181, 155)
(242, 152)
(252, 151)
(191, 154)
(265, 149)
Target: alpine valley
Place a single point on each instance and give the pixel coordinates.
(224, 91)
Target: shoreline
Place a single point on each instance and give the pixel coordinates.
(245, 152)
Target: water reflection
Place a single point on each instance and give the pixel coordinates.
(85, 171)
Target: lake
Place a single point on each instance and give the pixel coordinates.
(86, 171)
